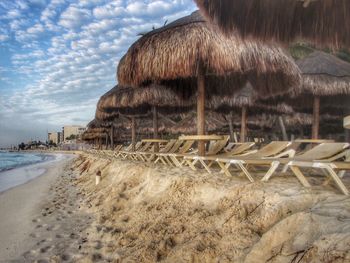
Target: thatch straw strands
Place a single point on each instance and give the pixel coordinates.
(324, 74)
(242, 98)
(135, 101)
(325, 86)
(145, 125)
(188, 125)
(174, 55)
(324, 22)
(245, 101)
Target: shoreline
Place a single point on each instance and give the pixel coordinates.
(45, 158)
(19, 204)
(20, 175)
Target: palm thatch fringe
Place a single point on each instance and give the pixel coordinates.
(129, 100)
(188, 125)
(171, 55)
(242, 98)
(324, 22)
(323, 75)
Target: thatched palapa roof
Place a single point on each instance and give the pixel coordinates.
(171, 55)
(247, 97)
(244, 97)
(324, 22)
(188, 125)
(324, 74)
(134, 101)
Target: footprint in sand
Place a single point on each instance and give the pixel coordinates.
(41, 242)
(30, 253)
(45, 249)
(65, 257)
(33, 235)
(98, 245)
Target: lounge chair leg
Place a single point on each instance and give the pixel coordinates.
(164, 160)
(341, 174)
(205, 166)
(227, 165)
(151, 158)
(285, 168)
(176, 161)
(271, 171)
(168, 160)
(300, 176)
(191, 165)
(337, 180)
(225, 168)
(245, 171)
(210, 164)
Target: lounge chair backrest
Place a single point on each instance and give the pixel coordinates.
(323, 151)
(241, 148)
(176, 146)
(186, 146)
(128, 148)
(218, 145)
(138, 145)
(145, 147)
(211, 145)
(168, 146)
(271, 149)
(118, 147)
(230, 146)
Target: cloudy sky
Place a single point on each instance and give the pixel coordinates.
(59, 56)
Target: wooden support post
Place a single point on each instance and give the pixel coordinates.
(230, 125)
(112, 137)
(283, 128)
(201, 108)
(133, 133)
(155, 127)
(316, 118)
(243, 124)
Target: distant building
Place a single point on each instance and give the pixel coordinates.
(54, 137)
(72, 132)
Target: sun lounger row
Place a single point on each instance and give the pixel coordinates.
(331, 158)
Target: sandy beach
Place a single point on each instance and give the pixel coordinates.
(20, 207)
(143, 212)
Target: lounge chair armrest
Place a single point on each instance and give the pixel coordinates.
(345, 154)
(289, 153)
(248, 152)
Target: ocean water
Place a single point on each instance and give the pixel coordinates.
(17, 168)
(11, 160)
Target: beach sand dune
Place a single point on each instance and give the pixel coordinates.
(148, 213)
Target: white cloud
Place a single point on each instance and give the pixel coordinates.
(36, 29)
(108, 11)
(61, 75)
(3, 37)
(73, 17)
